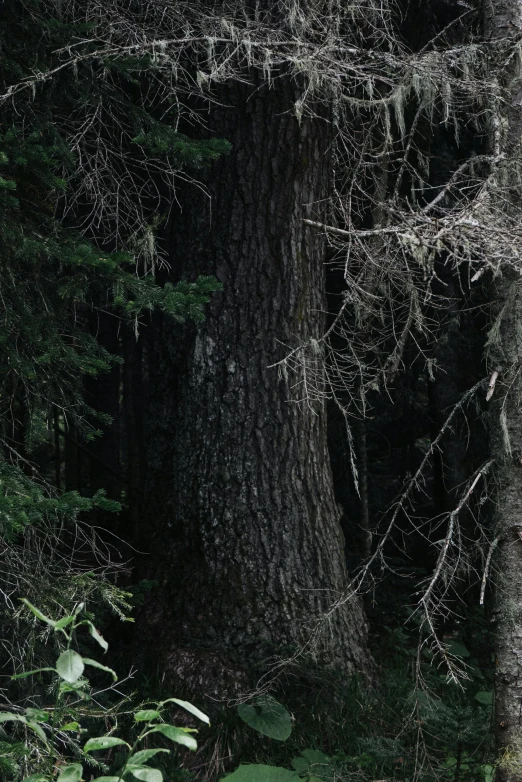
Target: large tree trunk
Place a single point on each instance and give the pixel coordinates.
(247, 541)
(504, 21)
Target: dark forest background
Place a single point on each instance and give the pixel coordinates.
(258, 279)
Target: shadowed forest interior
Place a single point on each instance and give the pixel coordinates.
(260, 423)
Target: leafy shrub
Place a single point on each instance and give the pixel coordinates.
(51, 724)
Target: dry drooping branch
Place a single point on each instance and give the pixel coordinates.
(350, 59)
(446, 570)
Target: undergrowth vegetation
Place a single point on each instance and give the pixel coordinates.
(330, 728)
(413, 724)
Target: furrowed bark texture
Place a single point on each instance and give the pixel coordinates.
(504, 21)
(508, 586)
(247, 539)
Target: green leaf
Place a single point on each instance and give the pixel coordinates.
(71, 726)
(38, 777)
(64, 622)
(484, 697)
(314, 764)
(315, 756)
(107, 779)
(268, 717)
(104, 742)
(188, 707)
(38, 730)
(31, 673)
(146, 715)
(300, 764)
(96, 664)
(7, 716)
(175, 734)
(457, 649)
(37, 715)
(252, 772)
(79, 690)
(72, 773)
(145, 755)
(489, 773)
(38, 613)
(145, 773)
(98, 637)
(69, 666)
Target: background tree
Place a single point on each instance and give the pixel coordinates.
(502, 21)
(414, 213)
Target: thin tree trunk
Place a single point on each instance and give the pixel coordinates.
(504, 21)
(508, 598)
(247, 542)
(103, 394)
(134, 403)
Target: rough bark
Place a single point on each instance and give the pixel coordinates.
(508, 600)
(247, 541)
(504, 21)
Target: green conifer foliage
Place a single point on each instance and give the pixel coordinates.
(68, 250)
(52, 275)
